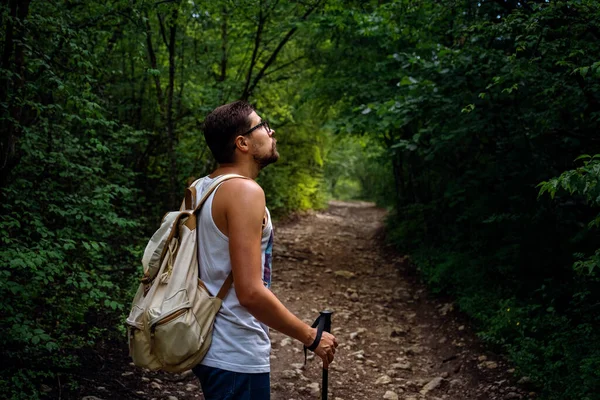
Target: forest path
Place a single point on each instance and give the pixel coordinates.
(396, 341)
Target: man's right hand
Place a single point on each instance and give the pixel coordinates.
(326, 347)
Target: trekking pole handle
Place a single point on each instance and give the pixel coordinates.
(326, 315)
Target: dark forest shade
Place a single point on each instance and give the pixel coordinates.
(450, 113)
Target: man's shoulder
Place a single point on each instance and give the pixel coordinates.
(243, 186)
(243, 193)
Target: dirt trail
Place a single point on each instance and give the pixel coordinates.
(396, 342)
(393, 338)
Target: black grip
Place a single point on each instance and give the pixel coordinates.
(322, 323)
(326, 318)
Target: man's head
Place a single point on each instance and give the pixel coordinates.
(237, 126)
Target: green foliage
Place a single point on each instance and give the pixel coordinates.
(101, 109)
(582, 183)
(475, 103)
(296, 181)
(450, 113)
(356, 168)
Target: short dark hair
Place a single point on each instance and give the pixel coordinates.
(222, 126)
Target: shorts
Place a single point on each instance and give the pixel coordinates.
(219, 384)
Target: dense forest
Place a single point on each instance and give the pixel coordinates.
(475, 122)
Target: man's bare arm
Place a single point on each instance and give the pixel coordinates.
(244, 206)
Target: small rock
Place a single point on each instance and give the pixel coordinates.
(285, 342)
(455, 382)
(410, 315)
(172, 398)
(412, 350)
(345, 274)
(288, 374)
(402, 365)
(354, 335)
(524, 380)
(511, 396)
(434, 383)
(482, 358)
(127, 373)
(337, 367)
(446, 308)
(354, 297)
(314, 388)
(383, 380)
(461, 328)
(389, 395)
(489, 364)
(398, 331)
(188, 373)
(155, 385)
(191, 387)
(91, 398)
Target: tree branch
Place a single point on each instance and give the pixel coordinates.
(257, 38)
(171, 138)
(9, 132)
(282, 66)
(223, 75)
(163, 34)
(273, 57)
(153, 64)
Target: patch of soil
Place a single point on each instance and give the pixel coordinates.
(396, 341)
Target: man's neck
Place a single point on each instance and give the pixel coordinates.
(249, 171)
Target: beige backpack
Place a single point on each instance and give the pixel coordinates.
(172, 315)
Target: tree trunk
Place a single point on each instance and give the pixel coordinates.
(399, 180)
(13, 59)
(257, 40)
(170, 122)
(249, 88)
(223, 75)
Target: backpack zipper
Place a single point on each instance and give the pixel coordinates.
(168, 318)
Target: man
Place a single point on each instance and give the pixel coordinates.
(236, 235)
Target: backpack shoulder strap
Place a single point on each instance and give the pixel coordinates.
(213, 186)
(225, 287)
(190, 196)
(229, 280)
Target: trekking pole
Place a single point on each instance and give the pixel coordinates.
(326, 316)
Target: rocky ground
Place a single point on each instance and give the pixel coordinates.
(396, 341)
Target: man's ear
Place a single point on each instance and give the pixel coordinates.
(241, 143)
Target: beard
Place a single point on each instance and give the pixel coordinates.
(264, 160)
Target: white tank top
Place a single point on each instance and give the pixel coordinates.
(240, 342)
